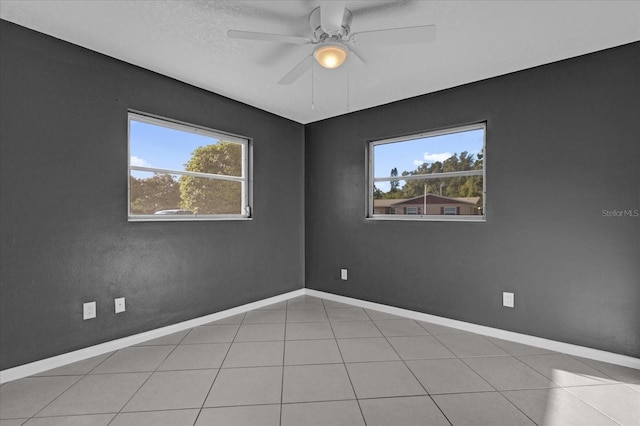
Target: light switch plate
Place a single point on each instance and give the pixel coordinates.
(88, 310)
(119, 304)
(507, 299)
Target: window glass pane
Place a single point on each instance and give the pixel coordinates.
(152, 192)
(443, 196)
(429, 175)
(166, 148)
(159, 193)
(433, 154)
(223, 158)
(210, 196)
(176, 169)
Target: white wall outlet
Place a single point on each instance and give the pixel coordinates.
(88, 310)
(119, 303)
(507, 299)
(343, 274)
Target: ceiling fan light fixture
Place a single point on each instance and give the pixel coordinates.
(330, 55)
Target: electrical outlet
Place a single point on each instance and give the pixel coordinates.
(119, 304)
(507, 299)
(343, 274)
(88, 310)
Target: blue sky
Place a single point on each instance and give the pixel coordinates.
(162, 147)
(408, 155)
(157, 146)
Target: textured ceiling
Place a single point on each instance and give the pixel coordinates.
(187, 40)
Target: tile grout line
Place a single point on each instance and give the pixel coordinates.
(59, 395)
(525, 364)
(407, 367)
(626, 383)
(284, 353)
(72, 385)
(147, 379)
(204, 401)
(478, 374)
(566, 388)
(462, 360)
(344, 364)
(101, 374)
(495, 390)
(590, 405)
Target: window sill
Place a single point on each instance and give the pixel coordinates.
(186, 218)
(427, 218)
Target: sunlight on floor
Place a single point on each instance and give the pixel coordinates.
(580, 402)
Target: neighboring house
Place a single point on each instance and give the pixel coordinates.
(384, 206)
(435, 205)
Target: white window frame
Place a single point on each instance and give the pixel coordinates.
(423, 217)
(246, 178)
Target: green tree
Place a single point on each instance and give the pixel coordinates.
(377, 192)
(463, 186)
(472, 186)
(456, 163)
(159, 192)
(394, 191)
(414, 188)
(394, 183)
(213, 196)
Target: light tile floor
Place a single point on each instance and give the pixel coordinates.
(309, 361)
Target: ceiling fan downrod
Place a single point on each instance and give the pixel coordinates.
(335, 35)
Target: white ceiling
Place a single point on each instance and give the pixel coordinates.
(187, 40)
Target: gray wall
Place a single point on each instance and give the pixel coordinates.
(562, 145)
(65, 235)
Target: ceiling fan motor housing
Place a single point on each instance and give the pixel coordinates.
(321, 35)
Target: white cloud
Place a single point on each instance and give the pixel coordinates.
(418, 162)
(140, 162)
(430, 157)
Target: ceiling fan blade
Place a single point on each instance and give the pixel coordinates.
(331, 16)
(297, 71)
(405, 35)
(357, 54)
(369, 79)
(278, 38)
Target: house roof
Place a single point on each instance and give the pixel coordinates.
(469, 200)
(387, 202)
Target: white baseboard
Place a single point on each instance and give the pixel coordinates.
(525, 339)
(81, 354)
(37, 367)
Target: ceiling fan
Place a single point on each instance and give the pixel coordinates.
(333, 40)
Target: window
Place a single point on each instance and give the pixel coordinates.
(437, 175)
(450, 210)
(179, 171)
